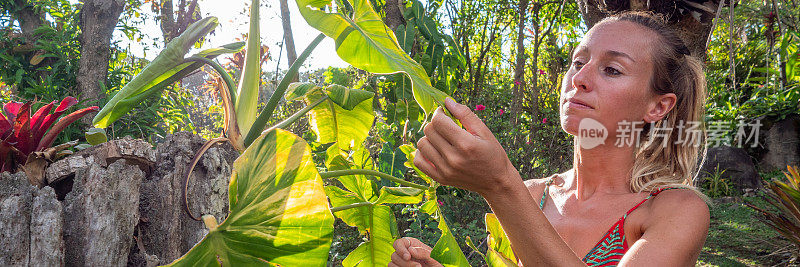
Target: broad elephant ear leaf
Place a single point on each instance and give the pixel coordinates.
(332, 123)
(364, 41)
(499, 248)
(278, 210)
(345, 97)
(375, 221)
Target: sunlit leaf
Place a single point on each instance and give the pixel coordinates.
(332, 123)
(499, 252)
(400, 195)
(96, 136)
(375, 221)
(299, 90)
(152, 78)
(347, 98)
(446, 251)
(364, 41)
(246, 98)
(278, 210)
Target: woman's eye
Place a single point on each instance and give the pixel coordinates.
(612, 71)
(577, 64)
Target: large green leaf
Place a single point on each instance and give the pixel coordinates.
(165, 66)
(499, 248)
(246, 99)
(332, 123)
(278, 210)
(391, 161)
(446, 251)
(375, 221)
(345, 97)
(405, 35)
(364, 41)
(362, 186)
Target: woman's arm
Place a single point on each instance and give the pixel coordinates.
(472, 159)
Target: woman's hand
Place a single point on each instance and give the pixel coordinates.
(409, 251)
(469, 158)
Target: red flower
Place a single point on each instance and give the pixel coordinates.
(501, 112)
(542, 72)
(517, 83)
(480, 107)
(440, 202)
(544, 120)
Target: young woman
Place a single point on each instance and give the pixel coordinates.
(627, 200)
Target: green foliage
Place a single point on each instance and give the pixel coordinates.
(738, 238)
(278, 210)
(783, 211)
(46, 68)
(363, 41)
(167, 67)
(245, 99)
(499, 252)
(715, 186)
(765, 55)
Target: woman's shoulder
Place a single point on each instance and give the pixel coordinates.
(680, 204)
(536, 186)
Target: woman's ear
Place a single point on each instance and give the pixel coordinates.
(659, 107)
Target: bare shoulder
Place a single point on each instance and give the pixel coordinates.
(536, 186)
(680, 205)
(674, 231)
(536, 183)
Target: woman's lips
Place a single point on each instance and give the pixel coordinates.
(577, 104)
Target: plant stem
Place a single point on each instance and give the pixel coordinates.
(269, 108)
(221, 71)
(331, 174)
(297, 115)
(350, 206)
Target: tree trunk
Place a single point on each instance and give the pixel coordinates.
(29, 19)
(519, 68)
(167, 20)
(98, 20)
(681, 16)
(288, 38)
(394, 16)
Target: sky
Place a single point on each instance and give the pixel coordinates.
(233, 16)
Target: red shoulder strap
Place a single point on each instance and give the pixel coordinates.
(652, 194)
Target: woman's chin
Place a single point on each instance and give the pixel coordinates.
(570, 124)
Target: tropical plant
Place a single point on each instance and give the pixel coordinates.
(715, 185)
(24, 135)
(783, 212)
(275, 198)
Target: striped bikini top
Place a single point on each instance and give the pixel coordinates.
(610, 249)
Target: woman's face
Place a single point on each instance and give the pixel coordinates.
(609, 78)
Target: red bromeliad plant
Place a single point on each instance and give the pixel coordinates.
(23, 134)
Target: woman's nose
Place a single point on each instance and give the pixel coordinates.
(582, 78)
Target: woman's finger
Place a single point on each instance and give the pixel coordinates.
(398, 260)
(447, 128)
(441, 145)
(401, 248)
(420, 253)
(426, 167)
(471, 122)
(433, 162)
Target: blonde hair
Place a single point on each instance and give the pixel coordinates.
(660, 161)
